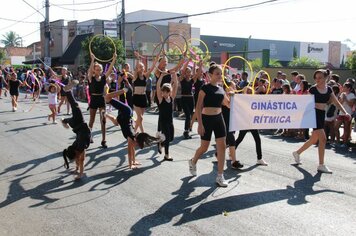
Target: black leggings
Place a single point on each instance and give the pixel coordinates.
(256, 137)
(80, 128)
(77, 117)
(188, 107)
(124, 118)
(168, 131)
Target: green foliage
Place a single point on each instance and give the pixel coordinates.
(11, 39)
(305, 62)
(102, 48)
(195, 53)
(257, 64)
(351, 62)
(2, 55)
(295, 53)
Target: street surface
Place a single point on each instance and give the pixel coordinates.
(39, 197)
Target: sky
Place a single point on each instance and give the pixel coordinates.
(290, 20)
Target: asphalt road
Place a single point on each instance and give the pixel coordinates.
(39, 197)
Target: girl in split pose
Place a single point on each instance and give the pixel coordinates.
(76, 151)
(124, 120)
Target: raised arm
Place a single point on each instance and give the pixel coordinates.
(338, 104)
(158, 89)
(91, 67)
(174, 85)
(198, 74)
(149, 71)
(108, 72)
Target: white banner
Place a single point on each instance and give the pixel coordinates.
(272, 112)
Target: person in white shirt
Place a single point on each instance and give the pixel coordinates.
(347, 99)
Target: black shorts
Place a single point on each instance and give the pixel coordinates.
(320, 119)
(213, 123)
(97, 101)
(140, 100)
(14, 94)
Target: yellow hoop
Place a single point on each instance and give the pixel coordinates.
(112, 41)
(254, 81)
(207, 53)
(225, 65)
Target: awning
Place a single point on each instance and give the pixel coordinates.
(73, 50)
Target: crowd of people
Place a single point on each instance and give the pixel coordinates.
(187, 89)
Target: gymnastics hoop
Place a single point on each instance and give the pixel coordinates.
(225, 65)
(185, 44)
(133, 44)
(112, 42)
(180, 50)
(207, 53)
(254, 81)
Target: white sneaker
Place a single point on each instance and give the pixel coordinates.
(262, 162)
(296, 157)
(220, 180)
(324, 169)
(192, 167)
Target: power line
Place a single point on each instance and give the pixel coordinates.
(19, 21)
(92, 9)
(83, 3)
(205, 13)
(33, 8)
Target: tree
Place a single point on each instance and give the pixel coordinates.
(257, 63)
(2, 55)
(351, 62)
(295, 53)
(305, 62)
(102, 48)
(11, 39)
(195, 53)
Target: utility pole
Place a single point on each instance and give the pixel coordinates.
(123, 27)
(47, 34)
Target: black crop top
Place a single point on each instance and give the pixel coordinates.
(187, 86)
(97, 87)
(214, 95)
(140, 82)
(321, 97)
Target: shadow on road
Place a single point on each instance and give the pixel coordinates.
(198, 207)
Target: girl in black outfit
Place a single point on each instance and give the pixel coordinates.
(97, 90)
(211, 97)
(165, 96)
(198, 83)
(13, 87)
(187, 99)
(139, 97)
(255, 135)
(64, 79)
(124, 119)
(126, 75)
(230, 137)
(323, 94)
(76, 151)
